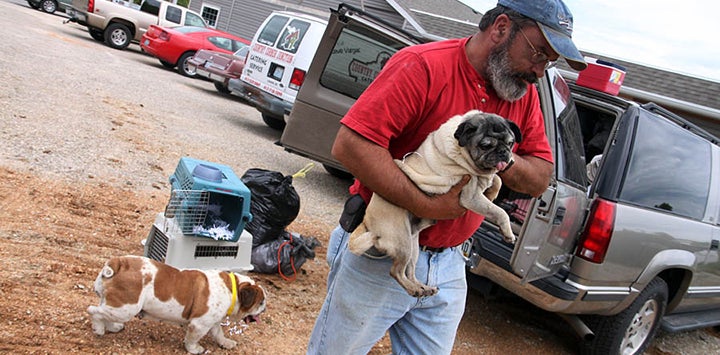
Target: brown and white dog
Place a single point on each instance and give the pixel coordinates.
(133, 285)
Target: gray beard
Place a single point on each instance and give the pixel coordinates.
(509, 85)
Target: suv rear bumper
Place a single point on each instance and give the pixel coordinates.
(261, 100)
(557, 293)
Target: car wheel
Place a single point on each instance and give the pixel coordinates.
(49, 6)
(182, 65)
(96, 34)
(33, 5)
(221, 88)
(273, 122)
(118, 36)
(341, 174)
(632, 330)
(167, 64)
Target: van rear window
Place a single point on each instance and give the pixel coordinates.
(270, 32)
(293, 35)
(356, 59)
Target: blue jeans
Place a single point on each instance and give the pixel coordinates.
(363, 302)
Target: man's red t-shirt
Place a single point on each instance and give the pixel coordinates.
(419, 89)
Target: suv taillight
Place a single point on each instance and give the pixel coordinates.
(595, 238)
(91, 6)
(297, 78)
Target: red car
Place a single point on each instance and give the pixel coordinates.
(219, 67)
(174, 46)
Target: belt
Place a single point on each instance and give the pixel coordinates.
(431, 249)
(374, 253)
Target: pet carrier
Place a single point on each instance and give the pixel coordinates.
(208, 200)
(166, 243)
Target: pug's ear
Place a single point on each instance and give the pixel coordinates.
(515, 130)
(465, 131)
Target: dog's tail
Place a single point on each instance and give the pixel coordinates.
(361, 240)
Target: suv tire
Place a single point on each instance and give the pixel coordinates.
(630, 331)
(49, 6)
(182, 65)
(118, 36)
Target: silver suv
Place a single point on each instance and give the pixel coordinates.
(617, 250)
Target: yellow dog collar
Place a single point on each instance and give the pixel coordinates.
(234, 294)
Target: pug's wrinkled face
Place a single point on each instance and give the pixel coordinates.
(489, 140)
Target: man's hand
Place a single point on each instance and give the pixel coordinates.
(445, 206)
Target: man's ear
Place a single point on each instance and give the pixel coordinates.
(501, 28)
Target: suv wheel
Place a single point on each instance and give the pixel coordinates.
(117, 36)
(273, 122)
(630, 331)
(182, 65)
(49, 6)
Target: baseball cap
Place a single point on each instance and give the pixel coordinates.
(555, 22)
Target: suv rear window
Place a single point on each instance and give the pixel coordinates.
(356, 59)
(669, 168)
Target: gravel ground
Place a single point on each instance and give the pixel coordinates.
(78, 119)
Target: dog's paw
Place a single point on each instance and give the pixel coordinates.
(98, 328)
(423, 291)
(115, 327)
(510, 239)
(194, 348)
(227, 343)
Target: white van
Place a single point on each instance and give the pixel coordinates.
(280, 55)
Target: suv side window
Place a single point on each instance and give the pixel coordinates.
(356, 59)
(293, 35)
(271, 31)
(652, 180)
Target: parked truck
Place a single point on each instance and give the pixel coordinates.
(119, 22)
(619, 250)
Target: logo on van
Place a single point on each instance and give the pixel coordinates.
(367, 71)
(290, 41)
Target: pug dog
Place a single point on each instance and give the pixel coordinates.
(476, 144)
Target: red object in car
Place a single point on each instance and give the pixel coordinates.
(173, 46)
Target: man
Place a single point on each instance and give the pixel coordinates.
(419, 89)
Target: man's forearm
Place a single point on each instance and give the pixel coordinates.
(529, 175)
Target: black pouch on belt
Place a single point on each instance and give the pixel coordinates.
(352, 213)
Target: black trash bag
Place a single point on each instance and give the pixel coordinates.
(274, 204)
(290, 252)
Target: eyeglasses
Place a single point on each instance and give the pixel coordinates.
(537, 57)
